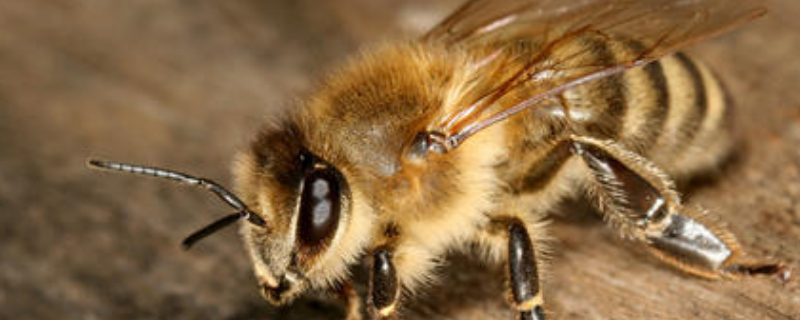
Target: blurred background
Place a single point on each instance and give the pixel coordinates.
(183, 84)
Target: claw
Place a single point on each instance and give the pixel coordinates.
(779, 270)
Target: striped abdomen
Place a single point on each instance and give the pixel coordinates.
(672, 111)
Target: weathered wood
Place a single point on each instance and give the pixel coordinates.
(183, 84)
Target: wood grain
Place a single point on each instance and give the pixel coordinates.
(183, 84)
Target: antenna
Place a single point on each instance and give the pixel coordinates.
(242, 212)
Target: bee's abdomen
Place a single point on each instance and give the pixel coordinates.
(695, 135)
(672, 111)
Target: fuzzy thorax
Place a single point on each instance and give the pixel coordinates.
(360, 123)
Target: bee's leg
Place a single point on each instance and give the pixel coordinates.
(352, 302)
(526, 293)
(384, 289)
(510, 239)
(641, 201)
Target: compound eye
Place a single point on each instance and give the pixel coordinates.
(320, 206)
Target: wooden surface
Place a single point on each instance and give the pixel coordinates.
(185, 83)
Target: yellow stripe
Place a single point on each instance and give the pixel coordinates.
(528, 305)
(680, 115)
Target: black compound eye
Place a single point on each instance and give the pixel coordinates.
(320, 206)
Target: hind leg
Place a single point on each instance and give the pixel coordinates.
(640, 200)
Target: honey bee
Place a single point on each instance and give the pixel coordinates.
(470, 135)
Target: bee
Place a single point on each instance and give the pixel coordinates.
(470, 135)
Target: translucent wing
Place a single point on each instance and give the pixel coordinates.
(541, 45)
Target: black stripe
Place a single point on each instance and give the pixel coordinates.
(728, 115)
(543, 171)
(658, 108)
(608, 124)
(657, 117)
(691, 126)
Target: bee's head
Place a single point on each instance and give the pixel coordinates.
(302, 227)
(307, 204)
